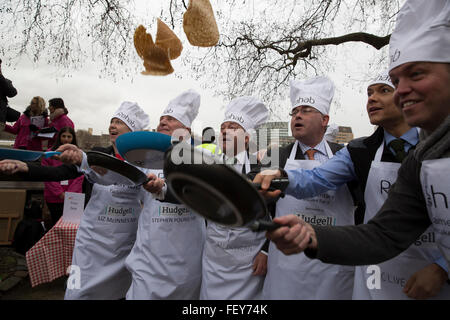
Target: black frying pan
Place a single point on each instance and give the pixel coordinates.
(216, 191)
(118, 172)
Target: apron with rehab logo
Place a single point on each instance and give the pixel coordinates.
(166, 260)
(228, 262)
(394, 272)
(296, 277)
(435, 185)
(104, 239)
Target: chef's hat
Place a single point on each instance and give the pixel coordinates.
(316, 92)
(133, 115)
(381, 78)
(422, 33)
(249, 112)
(184, 108)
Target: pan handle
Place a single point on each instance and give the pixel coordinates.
(263, 225)
(275, 184)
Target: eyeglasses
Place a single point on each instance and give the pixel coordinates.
(303, 110)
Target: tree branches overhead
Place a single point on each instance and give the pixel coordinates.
(281, 40)
(262, 44)
(67, 32)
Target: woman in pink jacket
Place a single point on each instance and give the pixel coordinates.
(58, 118)
(54, 191)
(26, 127)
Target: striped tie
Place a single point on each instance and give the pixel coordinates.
(399, 147)
(310, 153)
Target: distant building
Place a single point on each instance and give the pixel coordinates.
(272, 130)
(345, 135)
(87, 141)
(274, 133)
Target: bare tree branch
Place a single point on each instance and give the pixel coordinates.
(262, 43)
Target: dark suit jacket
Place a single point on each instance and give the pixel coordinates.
(362, 152)
(399, 222)
(37, 172)
(284, 153)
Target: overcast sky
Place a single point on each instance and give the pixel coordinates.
(92, 100)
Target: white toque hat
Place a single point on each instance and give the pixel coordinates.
(422, 33)
(133, 116)
(381, 78)
(316, 92)
(249, 112)
(184, 108)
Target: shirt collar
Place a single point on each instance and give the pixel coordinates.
(320, 147)
(241, 157)
(411, 137)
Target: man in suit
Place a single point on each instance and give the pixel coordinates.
(372, 164)
(310, 105)
(419, 70)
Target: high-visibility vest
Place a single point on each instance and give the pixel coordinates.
(211, 147)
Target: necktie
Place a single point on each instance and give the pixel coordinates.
(310, 153)
(244, 170)
(399, 147)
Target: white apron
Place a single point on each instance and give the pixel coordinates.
(165, 262)
(228, 262)
(394, 272)
(296, 277)
(434, 176)
(104, 239)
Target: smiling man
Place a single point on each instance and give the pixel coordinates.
(421, 92)
(372, 163)
(103, 239)
(420, 71)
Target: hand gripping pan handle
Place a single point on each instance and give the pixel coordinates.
(263, 225)
(275, 184)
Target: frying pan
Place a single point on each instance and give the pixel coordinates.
(143, 148)
(118, 172)
(218, 192)
(25, 155)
